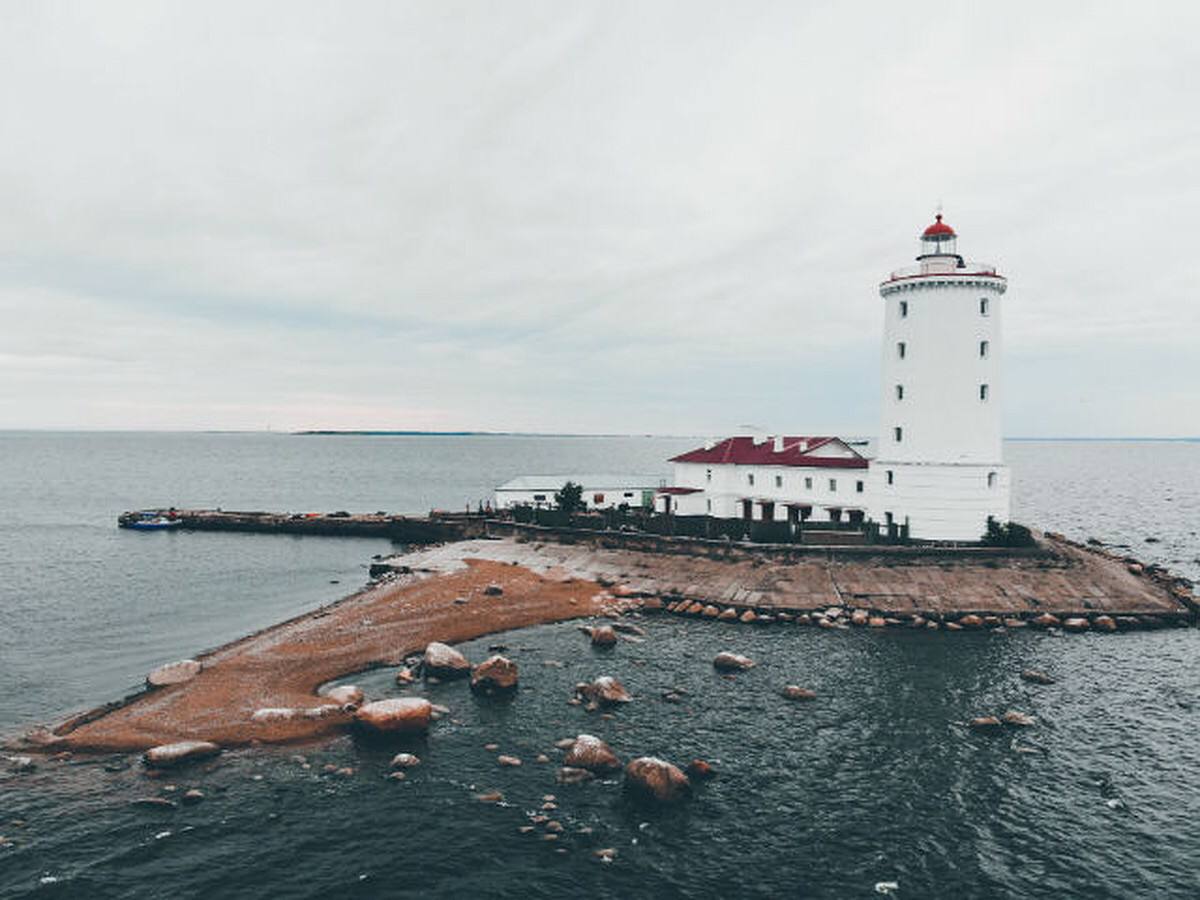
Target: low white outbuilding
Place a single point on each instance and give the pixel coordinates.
(599, 491)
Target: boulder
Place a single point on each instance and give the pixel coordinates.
(992, 621)
(747, 617)
(166, 755)
(603, 636)
(443, 661)
(656, 779)
(859, 617)
(1045, 620)
(953, 626)
(192, 796)
(1128, 622)
(932, 625)
(1012, 717)
(174, 673)
(591, 753)
(605, 690)
(876, 621)
(710, 612)
(510, 762)
(726, 661)
(700, 770)
(728, 614)
(823, 622)
(1015, 623)
(405, 760)
(346, 693)
(804, 619)
(404, 675)
(795, 692)
(496, 674)
(1075, 623)
(401, 715)
(1104, 623)
(985, 723)
(1036, 677)
(694, 609)
(970, 621)
(572, 775)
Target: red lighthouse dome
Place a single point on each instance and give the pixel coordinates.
(939, 230)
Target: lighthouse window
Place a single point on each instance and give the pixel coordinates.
(808, 484)
(891, 477)
(983, 306)
(991, 479)
(833, 484)
(983, 392)
(904, 309)
(899, 392)
(858, 487)
(750, 479)
(983, 349)
(901, 349)
(778, 481)
(898, 434)
(708, 474)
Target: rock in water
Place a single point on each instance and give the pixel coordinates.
(174, 673)
(193, 796)
(346, 693)
(443, 661)
(701, 770)
(21, 764)
(1104, 623)
(606, 690)
(1018, 718)
(728, 614)
(403, 715)
(165, 755)
(795, 692)
(656, 779)
(496, 674)
(572, 775)
(985, 723)
(405, 760)
(1036, 676)
(1075, 623)
(971, 621)
(731, 662)
(1045, 620)
(510, 762)
(603, 636)
(591, 753)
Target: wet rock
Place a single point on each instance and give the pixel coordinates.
(795, 692)
(443, 661)
(490, 797)
(710, 612)
(1012, 717)
(496, 674)
(402, 715)
(346, 693)
(804, 619)
(192, 796)
(1104, 623)
(970, 621)
(491, 747)
(952, 626)
(603, 636)
(728, 614)
(21, 764)
(152, 803)
(541, 758)
(1127, 622)
(985, 723)
(764, 619)
(823, 622)
(725, 661)
(405, 761)
(916, 622)
(1075, 623)
(700, 770)
(694, 609)
(1036, 676)
(554, 827)
(876, 622)
(784, 617)
(1045, 620)
(606, 690)
(747, 617)
(605, 855)
(1015, 623)
(405, 675)
(932, 625)
(572, 775)
(993, 621)
(565, 743)
(174, 673)
(656, 779)
(508, 762)
(398, 775)
(166, 755)
(651, 603)
(859, 617)
(1135, 568)
(591, 753)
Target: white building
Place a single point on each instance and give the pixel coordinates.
(599, 491)
(939, 466)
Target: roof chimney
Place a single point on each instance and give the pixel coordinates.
(804, 446)
(779, 443)
(709, 443)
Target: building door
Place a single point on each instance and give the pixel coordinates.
(748, 510)
(768, 512)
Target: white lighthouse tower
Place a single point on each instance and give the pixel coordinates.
(939, 464)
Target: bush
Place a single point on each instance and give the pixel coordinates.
(570, 498)
(1010, 534)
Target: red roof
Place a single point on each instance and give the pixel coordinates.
(743, 451)
(938, 229)
(679, 490)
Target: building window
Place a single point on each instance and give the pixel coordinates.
(991, 479)
(899, 392)
(833, 484)
(597, 498)
(858, 487)
(983, 392)
(898, 434)
(808, 484)
(708, 474)
(983, 306)
(708, 505)
(750, 479)
(891, 477)
(983, 349)
(778, 481)
(629, 493)
(901, 349)
(904, 309)
(539, 498)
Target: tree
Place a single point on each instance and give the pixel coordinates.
(570, 498)
(1010, 534)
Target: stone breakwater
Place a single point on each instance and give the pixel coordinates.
(467, 589)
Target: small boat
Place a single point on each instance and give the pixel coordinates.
(151, 522)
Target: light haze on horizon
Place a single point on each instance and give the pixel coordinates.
(564, 217)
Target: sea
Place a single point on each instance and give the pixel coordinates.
(877, 788)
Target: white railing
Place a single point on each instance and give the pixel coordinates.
(971, 268)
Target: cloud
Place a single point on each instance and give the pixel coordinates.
(595, 216)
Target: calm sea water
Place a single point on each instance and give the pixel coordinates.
(877, 781)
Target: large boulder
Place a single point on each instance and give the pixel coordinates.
(726, 661)
(1045, 620)
(496, 674)
(443, 661)
(346, 693)
(167, 755)
(970, 620)
(174, 673)
(603, 636)
(606, 690)
(1104, 623)
(1075, 623)
(591, 753)
(401, 715)
(728, 614)
(656, 779)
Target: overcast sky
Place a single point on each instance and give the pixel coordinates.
(595, 217)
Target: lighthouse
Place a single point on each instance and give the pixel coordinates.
(939, 465)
